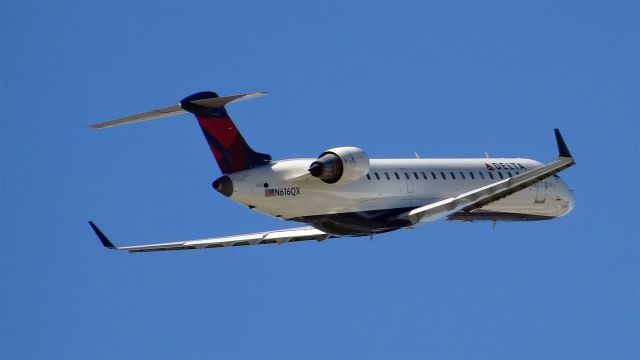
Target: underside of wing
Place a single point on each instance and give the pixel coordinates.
(267, 237)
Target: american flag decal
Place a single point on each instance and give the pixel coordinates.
(269, 192)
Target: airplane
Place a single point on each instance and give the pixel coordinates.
(344, 193)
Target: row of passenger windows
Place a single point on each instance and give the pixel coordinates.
(442, 174)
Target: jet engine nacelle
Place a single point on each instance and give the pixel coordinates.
(340, 165)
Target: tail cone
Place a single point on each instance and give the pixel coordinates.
(223, 185)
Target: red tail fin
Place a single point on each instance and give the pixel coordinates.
(227, 144)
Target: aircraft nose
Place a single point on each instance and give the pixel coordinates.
(223, 185)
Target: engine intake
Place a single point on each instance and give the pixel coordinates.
(344, 165)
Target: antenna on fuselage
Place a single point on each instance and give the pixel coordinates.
(486, 154)
(417, 156)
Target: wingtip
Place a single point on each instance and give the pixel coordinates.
(103, 238)
(563, 150)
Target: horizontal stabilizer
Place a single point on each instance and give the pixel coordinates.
(176, 109)
(222, 101)
(149, 115)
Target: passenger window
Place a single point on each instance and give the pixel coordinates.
(471, 174)
(377, 176)
(387, 175)
(481, 175)
(368, 177)
(491, 175)
(415, 174)
(509, 172)
(397, 176)
(407, 176)
(500, 174)
(517, 173)
(442, 174)
(453, 176)
(462, 175)
(433, 175)
(424, 176)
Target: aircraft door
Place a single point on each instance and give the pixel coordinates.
(541, 192)
(406, 175)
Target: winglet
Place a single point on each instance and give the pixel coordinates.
(103, 239)
(563, 150)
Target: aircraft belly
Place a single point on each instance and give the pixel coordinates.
(357, 223)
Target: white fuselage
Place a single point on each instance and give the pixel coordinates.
(281, 189)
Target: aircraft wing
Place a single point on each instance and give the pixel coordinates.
(267, 237)
(477, 198)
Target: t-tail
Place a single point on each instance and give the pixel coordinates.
(227, 145)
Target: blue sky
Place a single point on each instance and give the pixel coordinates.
(444, 79)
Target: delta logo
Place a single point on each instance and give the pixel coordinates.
(505, 166)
